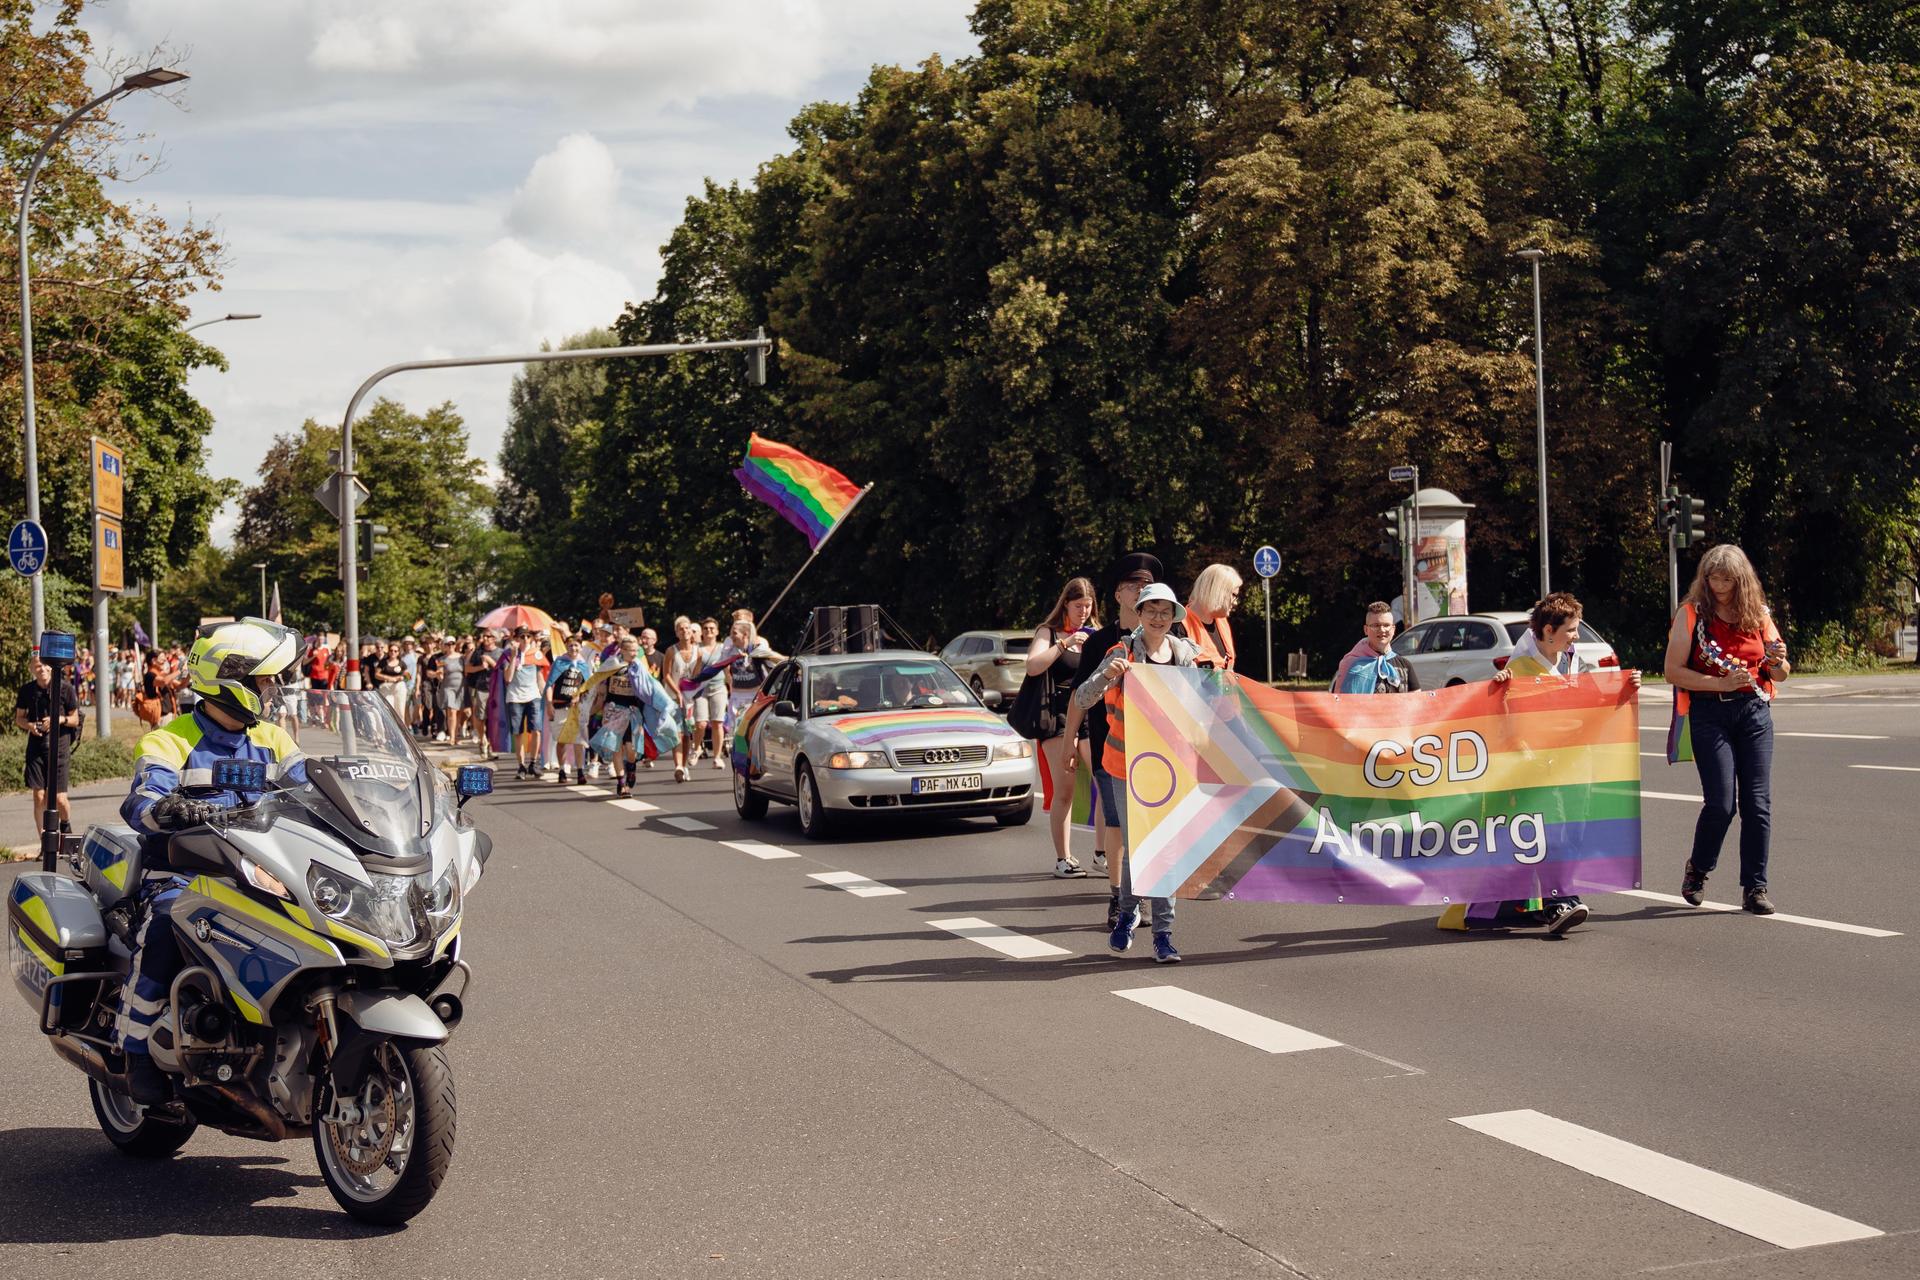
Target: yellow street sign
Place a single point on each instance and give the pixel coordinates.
(109, 479)
(109, 549)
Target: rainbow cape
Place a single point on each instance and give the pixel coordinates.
(1477, 793)
(810, 495)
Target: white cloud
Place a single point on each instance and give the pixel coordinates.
(441, 177)
(570, 194)
(365, 43)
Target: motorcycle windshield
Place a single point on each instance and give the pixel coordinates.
(382, 790)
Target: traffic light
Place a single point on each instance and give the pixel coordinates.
(1692, 516)
(373, 541)
(1390, 531)
(1669, 511)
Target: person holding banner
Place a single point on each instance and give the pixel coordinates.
(1372, 666)
(1723, 657)
(1545, 652)
(1154, 645)
(1128, 575)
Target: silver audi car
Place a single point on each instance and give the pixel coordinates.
(878, 733)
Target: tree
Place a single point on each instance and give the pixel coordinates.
(446, 564)
(1795, 297)
(110, 280)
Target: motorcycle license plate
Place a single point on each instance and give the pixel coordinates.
(952, 782)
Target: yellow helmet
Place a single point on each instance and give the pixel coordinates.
(236, 665)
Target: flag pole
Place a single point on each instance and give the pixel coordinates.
(760, 624)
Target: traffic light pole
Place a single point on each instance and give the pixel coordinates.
(349, 562)
(1673, 553)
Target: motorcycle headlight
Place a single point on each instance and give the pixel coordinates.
(443, 903)
(1019, 750)
(383, 909)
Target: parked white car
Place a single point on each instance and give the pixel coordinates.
(1462, 648)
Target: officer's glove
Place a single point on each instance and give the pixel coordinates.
(176, 811)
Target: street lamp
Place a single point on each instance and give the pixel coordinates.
(1540, 401)
(263, 588)
(231, 315)
(151, 78)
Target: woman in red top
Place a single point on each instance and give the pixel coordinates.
(1723, 656)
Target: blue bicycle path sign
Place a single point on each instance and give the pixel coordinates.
(27, 548)
(1266, 561)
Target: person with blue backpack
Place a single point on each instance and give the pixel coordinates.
(1372, 666)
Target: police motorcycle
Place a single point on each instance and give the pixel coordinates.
(321, 974)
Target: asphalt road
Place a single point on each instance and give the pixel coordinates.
(681, 1058)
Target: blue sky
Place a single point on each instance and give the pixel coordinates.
(402, 179)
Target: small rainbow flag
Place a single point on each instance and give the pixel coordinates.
(811, 495)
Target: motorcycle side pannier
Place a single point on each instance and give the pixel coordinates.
(53, 928)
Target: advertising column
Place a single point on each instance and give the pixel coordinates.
(1440, 556)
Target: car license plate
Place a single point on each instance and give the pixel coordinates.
(953, 782)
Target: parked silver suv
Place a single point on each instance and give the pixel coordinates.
(1465, 647)
(995, 660)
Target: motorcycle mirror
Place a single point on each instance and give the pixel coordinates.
(473, 780)
(240, 775)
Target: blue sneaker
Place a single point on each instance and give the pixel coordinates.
(1163, 952)
(1122, 936)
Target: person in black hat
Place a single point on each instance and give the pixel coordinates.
(1124, 578)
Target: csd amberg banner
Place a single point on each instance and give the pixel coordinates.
(1477, 793)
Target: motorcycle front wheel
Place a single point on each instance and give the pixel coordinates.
(388, 1154)
(132, 1128)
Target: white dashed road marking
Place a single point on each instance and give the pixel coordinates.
(630, 804)
(1741, 1206)
(581, 789)
(758, 850)
(1017, 946)
(854, 883)
(1668, 795)
(1780, 916)
(1227, 1020)
(1888, 768)
(685, 824)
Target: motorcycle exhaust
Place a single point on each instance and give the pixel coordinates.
(87, 1058)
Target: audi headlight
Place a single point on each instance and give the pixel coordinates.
(857, 760)
(383, 909)
(1019, 749)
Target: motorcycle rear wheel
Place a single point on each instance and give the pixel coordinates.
(132, 1129)
(386, 1168)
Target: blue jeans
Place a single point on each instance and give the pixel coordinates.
(1733, 748)
(1113, 805)
(524, 717)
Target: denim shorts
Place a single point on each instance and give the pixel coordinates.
(524, 717)
(1112, 804)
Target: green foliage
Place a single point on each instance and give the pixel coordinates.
(93, 760)
(423, 484)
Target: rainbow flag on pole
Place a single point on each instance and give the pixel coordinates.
(811, 495)
(1472, 794)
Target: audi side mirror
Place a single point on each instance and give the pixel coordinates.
(786, 709)
(992, 698)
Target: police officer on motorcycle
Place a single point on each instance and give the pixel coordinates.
(236, 668)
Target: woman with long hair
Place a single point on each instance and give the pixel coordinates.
(1055, 652)
(1724, 655)
(1214, 594)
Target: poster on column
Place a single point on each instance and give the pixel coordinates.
(1481, 792)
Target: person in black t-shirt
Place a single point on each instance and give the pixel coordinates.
(1127, 574)
(33, 711)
